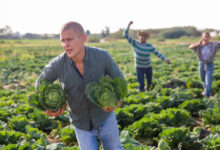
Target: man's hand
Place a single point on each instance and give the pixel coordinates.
(108, 109)
(130, 23)
(200, 41)
(167, 61)
(57, 113)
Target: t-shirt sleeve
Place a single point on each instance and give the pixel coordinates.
(48, 73)
(111, 67)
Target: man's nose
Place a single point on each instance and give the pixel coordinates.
(65, 43)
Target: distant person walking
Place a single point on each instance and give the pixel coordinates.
(206, 52)
(142, 51)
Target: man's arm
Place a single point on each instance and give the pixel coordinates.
(50, 75)
(161, 56)
(112, 70)
(195, 45)
(126, 34)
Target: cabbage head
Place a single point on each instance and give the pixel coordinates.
(107, 92)
(48, 96)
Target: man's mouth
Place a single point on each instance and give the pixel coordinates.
(69, 50)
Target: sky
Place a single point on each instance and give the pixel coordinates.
(48, 16)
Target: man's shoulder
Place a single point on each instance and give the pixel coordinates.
(96, 51)
(58, 59)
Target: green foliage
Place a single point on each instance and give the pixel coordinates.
(147, 108)
(107, 92)
(216, 86)
(4, 114)
(18, 123)
(48, 96)
(129, 143)
(67, 135)
(211, 142)
(124, 117)
(210, 116)
(3, 125)
(178, 138)
(93, 39)
(215, 129)
(193, 106)
(10, 137)
(42, 121)
(144, 128)
(34, 133)
(172, 117)
(162, 145)
(40, 143)
(10, 147)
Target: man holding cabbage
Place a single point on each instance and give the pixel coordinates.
(75, 68)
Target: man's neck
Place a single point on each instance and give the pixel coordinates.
(205, 43)
(143, 42)
(79, 58)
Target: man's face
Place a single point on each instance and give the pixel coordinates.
(72, 42)
(143, 39)
(206, 38)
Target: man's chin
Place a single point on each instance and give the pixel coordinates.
(70, 55)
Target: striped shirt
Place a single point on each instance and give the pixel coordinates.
(142, 52)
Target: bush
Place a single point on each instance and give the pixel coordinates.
(93, 39)
(174, 34)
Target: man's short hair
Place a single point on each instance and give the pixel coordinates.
(73, 25)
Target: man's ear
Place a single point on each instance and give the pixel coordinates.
(84, 38)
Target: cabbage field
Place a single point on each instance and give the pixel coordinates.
(172, 116)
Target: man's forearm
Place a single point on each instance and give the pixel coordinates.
(195, 45)
(126, 32)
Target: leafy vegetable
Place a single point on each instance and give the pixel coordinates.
(48, 96)
(107, 92)
(211, 142)
(7, 137)
(67, 135)
(18, 123)
(42, 121)
(144, 128)
(124, 117)
(178, 138)
(193, 106)
(211, 116)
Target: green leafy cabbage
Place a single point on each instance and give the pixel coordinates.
(48, 96)
(107, 92)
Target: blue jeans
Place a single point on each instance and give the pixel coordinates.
(140, 77)
(206, 77)
(107, 133)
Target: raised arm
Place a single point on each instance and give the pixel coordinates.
(126, 34)
(195, 45)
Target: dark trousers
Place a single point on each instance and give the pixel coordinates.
(141, 72)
